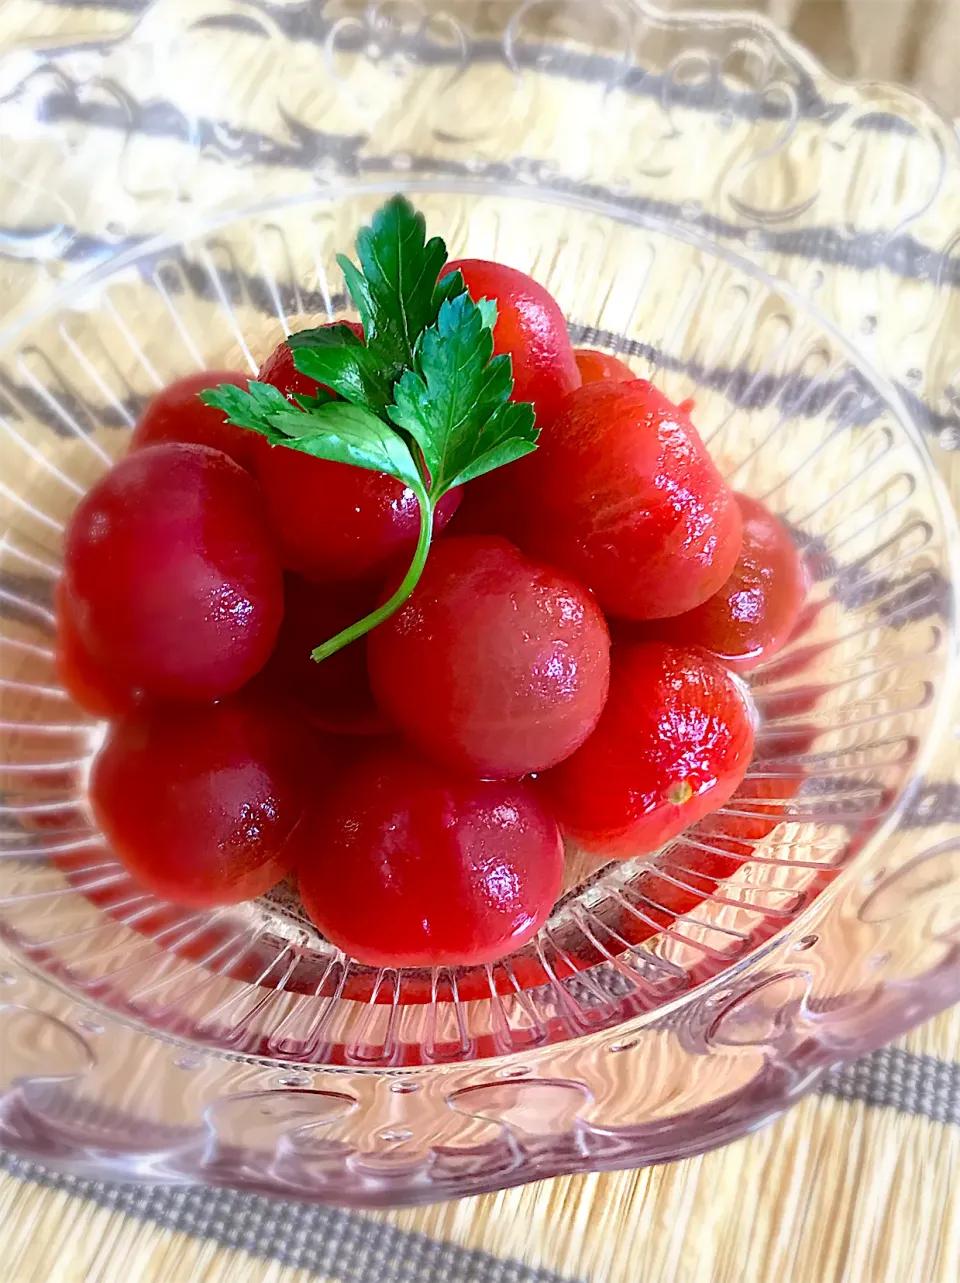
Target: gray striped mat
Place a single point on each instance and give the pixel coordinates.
(349, 1246)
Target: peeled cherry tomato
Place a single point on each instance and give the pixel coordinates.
(334, 695)
(622, 494)
(672, 745)
(413, 865)
(176, 413)
(334, 522)
(172, 573)
(602, 367)
(203, 805)
(497, 665)
(530, 328)
(94, 686)
(751, 616)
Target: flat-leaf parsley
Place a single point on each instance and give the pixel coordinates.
(421, 398)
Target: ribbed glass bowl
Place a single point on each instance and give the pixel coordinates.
(177, 195)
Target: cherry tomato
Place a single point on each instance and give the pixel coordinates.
(530, 328)
(334, 695)
(497, 665)
(94, 686)
(203, 805)
(602, 367)
(172, 574)
(622, 494)
(751, 616)
(673, 743)
(176, 413)
(412, 865)
(334, 522)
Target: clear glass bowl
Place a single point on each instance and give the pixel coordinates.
(177, 190)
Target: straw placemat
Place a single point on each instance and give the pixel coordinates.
(839, 1189)
(858, 1182)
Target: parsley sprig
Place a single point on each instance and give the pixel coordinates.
(421, 397)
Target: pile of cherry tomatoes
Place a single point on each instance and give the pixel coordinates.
(565, 668)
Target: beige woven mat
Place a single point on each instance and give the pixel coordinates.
(835, 1191)
(858, 1183)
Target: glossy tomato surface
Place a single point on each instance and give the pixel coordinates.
(176, 413)
(94, 686)
(674, 742)
(336, 523)
(334, 695)
(530, 328)
(622, 494)
(497, 665)
(172, 575)
(203, 804)
(601, 367)
(413, 865)
(751, 616)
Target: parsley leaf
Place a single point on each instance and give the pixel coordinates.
(488, 310)
(333, 430)
(337, 358)
(250, 408)
(399, 292)
(344, 433)
(455, 402)
(424, 398)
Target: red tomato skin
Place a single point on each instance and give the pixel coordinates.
(622, 494)
(754, 613)
(672, 745)
(171, 570)
(601, 367)
(497, 665)
(412, 865)
(530, 328)
(176, 413)
(335, 523)
(334, 695)
(93, 686)
(203, 804)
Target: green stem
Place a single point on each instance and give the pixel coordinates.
(393, 604)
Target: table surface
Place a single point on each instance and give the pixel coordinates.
(838, 1189)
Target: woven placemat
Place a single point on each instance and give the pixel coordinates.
(840, 1189)
(857, 1182)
